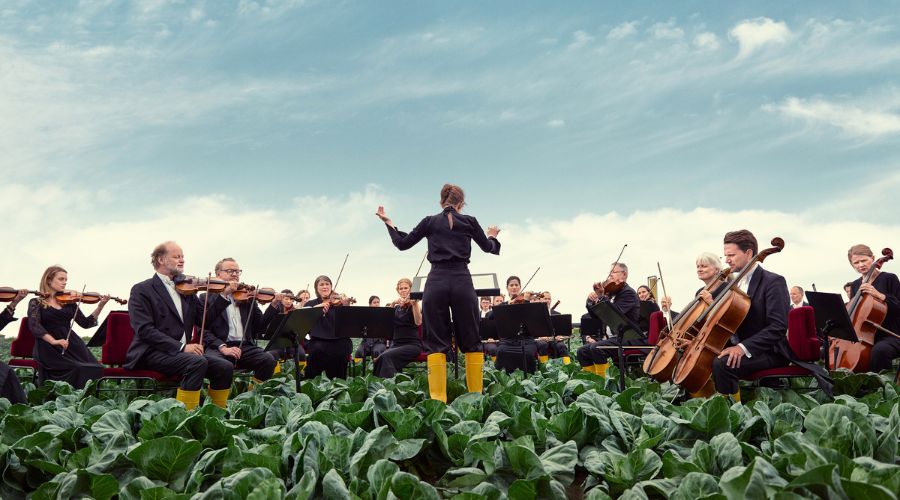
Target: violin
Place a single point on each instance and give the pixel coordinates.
(7, 293)
(403, 304)
(609, 287)
(190, 285)
(262, 295)
(72, 297)
(707, 335)
(339, 299)
(521, 297)
(867, 314)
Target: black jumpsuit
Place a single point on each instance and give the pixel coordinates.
(405, 347)
(326, 353)
(77, 365)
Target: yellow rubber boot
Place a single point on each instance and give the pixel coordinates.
(357, 360)
(543, 359)
(708, 390)
(437, 376)
(736, 396)
(601, 369)
(302, 365)
(567, 360)
(219, 397)
(191, 399)
(494, 359)
(277, 368)
(588, 368)
(474, 371)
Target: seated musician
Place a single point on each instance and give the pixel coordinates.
(230, 340)
(485, 306)
(797, 298)
(489, 345)
(304, 298)
(372, 347)
(760, 342)
(647, 307)
(163, 322)
(848, 289)
(326, 352)
(513, 354)
(284, 304)
(10, 388)
(708, 267)
(551, 347)
(594, 356)
(500, 299)
(886, 288)
(406, 345)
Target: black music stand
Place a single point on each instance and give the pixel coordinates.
(832, 320)
(562, 327)
(487, 329)
(623, 327)
(592, 327)
(486, 285)
(523, 321)
(364, 323)
(290, 329)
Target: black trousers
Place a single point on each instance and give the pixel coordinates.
(191, 368)
(280, 352)
(372, 349)
(327, 356)
(593, 354)
(449, 288)
(10, 388)
(396, 357)
(884, 352)
(726, 379)
(515, 355)
(553, 348)
(490, 348)
(252, 358)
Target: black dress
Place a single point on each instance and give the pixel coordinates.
(405, 347)
(326, 352)
(77, 365)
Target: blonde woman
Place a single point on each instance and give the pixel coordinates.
(406, 345)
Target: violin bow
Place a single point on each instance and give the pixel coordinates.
(340, 273)
(72, 323)
(249, 316)
(421, 264)
(529, 280)
(665, 294)
(616, 263)
(205, 303)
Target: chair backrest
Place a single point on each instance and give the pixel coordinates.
(23, 345)
(656, 324)
(801, 334)
(118, 338)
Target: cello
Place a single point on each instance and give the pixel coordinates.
(708, 334)
(867, 313)
(661, 361)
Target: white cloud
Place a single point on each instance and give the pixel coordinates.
(556, 123)
(706, 41)
(853, 119)
(196, 14)
(753, 34)
(623, 30)
(667, 31)
(580, 39)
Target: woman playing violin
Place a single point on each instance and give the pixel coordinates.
(647, 307)
(513, 354)
(326, 352)
(61, 355)
(284, 303)
(406, 345)
(886, 288)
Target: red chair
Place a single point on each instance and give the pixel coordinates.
(115, 348)
(804, 342)
(636, 354)
(22, 350)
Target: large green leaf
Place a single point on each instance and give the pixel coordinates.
(757, 480)
(712, 417)
(696, 486)
(407, 486)
(840, 428)
(167, 459)
(256, 482)
(378, 444)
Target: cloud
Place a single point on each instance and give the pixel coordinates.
(706, 41)
(869, 122)
(623, 30)
(667, 31)
(753, 34)
(580, 39)
(557, 123)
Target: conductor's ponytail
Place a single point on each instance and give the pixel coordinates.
(451, 196)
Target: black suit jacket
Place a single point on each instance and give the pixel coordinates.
(6, 318)
(217, 327)
(155, 320)
(765, 327)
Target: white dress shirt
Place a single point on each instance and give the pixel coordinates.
(744, 285)
(176, 299)
(235, 328)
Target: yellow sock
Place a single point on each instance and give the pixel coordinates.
(493, 358)
(277, 368)
(357, 360)
(219, 397)
(588, 368)
(567, 360)
(190, 398)
(474, 371)
(302, 365)
(736, 396)
(706, 391)
(543, 359)
(601, 369)
(437, 376)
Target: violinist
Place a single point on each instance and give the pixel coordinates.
(10, 388)
(406, 345)
(326, 352)
(284, 304)
(550, 347)
(848, 289)
(373, 347)
(489, 345)
(513, 354)
(230, 338)
(484, 306)
(760, 342)
(303, 297)
(886, 288)
(60, 354)
(496, 301)
(647, 307)
(449, 286)
(163, 321)
(594, 356)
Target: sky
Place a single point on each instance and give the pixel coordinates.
(270, 131)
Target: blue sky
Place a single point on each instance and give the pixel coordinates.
(279, 125)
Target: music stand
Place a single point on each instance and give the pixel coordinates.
(592, 327)
(562, 327)
(832, 320)
(487, 329)
(624, 328)
(288, 332)
(364, 323)
(522, 321)
(486, 285)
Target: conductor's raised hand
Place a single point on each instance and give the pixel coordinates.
(493, 231)
(383, 216)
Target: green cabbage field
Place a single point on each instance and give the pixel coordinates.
(560, 433)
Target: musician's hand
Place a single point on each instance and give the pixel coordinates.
(103, 300)
(706, 297)
(231, 288)
(18, 298)
(593, 297)
(590, 340)
(666, 303)
(493, 231)
(193, 349)
(234, 352)
(62, 343)
(325, 306)
(869, 289)
(383, 216)
(734, 353)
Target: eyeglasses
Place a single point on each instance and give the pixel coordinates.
(233, 272)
